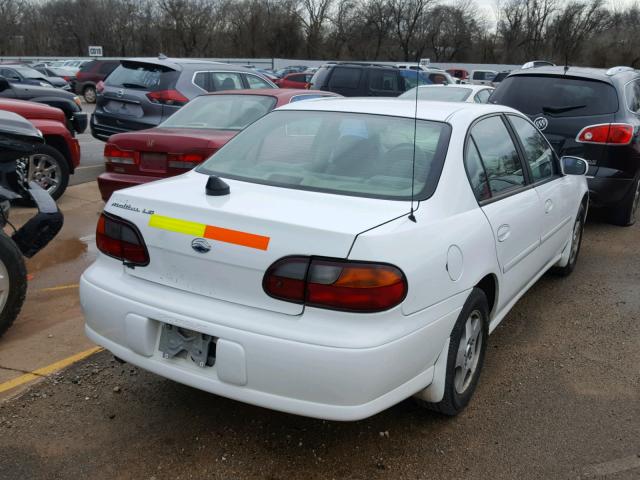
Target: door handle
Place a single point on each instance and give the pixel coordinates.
(503, 232)
(548, 206)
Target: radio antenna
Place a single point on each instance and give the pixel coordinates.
(412, 217)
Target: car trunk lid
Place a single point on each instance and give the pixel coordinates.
(221, 246)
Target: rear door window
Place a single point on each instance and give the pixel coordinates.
(142, 76)
(498, 154)
(383, 80)
(225, 81)
(345, 77)
(255, 81)
(632, 96)
(556, 96)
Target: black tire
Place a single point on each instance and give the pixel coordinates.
(50, 156)
(89, 94)
(626, 212)
(12, 260)
(578, 230)
(454, 401)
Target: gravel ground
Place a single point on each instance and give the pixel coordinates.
(559, 397)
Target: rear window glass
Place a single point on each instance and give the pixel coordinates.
(142, 76)
(221, 112)
(556, 96)
(344, 153)
(87, 66)
(440, 94)
(345, 77)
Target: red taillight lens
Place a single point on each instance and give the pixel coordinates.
(607, 134)
(121, 240)
(185, 160)
(336, 284)
(113, 154)
(168, 97)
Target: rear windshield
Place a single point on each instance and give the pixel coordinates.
(27, 72)
(142, 76)
(87, 66)
(344, 153)
(439, 94)
(318, 79)
(556, 96)
(221, 112)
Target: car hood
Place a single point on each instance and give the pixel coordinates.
(32, 110)
(245, 231)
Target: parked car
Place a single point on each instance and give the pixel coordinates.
(61, 72)
(16, 73)
(54, 97)
(189, 136)
(592, 113)
(267, 73)
(19, 138)
(538, 63)
(482, 77)
(294, 80)
(459, 73)
(426, 78)
(450, 93)
(53, 79)
(141, 93)
(359, 80)
(90, 74)
(289, 270)
(500, 77)
(52, 162)
(290, 69)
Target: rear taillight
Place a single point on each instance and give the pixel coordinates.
(336, 284)
(185, 160)
(121, 240)
(113, 154)
(167, 97)
(606, 134)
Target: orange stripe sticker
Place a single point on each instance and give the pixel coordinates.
(236, 237)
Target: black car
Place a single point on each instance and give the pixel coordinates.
(29, 76)
(55, 97)
(589, 113)
(359, 80)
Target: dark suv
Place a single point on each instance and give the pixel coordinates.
(589, 113)
(141, 93)
(89, 75)
(359, 80)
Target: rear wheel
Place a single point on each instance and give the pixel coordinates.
(89, 94)
(13, 282)
(626, 213)
(576, 242)
(467, 347)
(48, 168)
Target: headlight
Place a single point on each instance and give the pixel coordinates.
(45, 84)
(77, 100)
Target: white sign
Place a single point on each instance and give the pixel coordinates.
(425, 62)
(95, 51)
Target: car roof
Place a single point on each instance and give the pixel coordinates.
(179, 63)
(580, 72)
(474, 88)
(275, 92)
(426, 110)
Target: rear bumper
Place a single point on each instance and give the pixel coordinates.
(109, 182)
(608, 192)
(102, 125)
(262, 368)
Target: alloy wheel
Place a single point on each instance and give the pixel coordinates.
(41, 168)
(5, 284)
(575, 240)
(469, 350)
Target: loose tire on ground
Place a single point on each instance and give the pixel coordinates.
(13, 282)
(469, 336)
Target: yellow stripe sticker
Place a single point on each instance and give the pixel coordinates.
(212, 232)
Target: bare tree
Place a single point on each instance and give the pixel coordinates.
(314, 16)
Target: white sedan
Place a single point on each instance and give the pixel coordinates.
(450, 93)
(301, 269)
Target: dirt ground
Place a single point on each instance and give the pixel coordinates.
(559, 397)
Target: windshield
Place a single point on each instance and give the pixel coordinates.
(556, 96)
(221, 112)
(439, 94)
(345, 153)
(27, 72)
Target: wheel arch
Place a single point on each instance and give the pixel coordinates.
(57, 142)
(489, 285)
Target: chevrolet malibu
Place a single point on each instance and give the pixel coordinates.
(337, 257)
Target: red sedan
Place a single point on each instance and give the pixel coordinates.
(295, 80)
(189, 136)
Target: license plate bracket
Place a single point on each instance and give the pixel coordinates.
(200, 348)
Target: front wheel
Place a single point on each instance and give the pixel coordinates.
(467, 347)
(47, 167)
(13, 282)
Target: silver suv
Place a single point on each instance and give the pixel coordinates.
(142, 92)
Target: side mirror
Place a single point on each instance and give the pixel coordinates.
(574, 166)
(4, 84)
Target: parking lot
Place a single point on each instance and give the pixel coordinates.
(559, 395)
